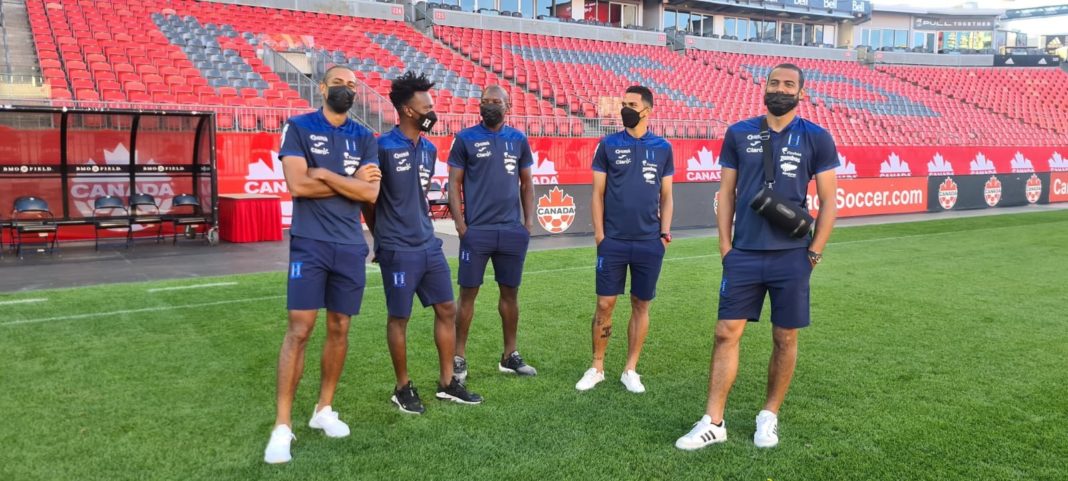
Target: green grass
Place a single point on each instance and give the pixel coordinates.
(938, 351)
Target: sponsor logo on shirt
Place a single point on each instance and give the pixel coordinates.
(318, 138)
(402, 163)
(789, 162)
(323, 151)
(351, 162)
(649, 172)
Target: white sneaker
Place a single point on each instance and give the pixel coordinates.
(326, 419)
(633, 381)
(589, 379)
(277, 451)
(703, 434)
(767, 430)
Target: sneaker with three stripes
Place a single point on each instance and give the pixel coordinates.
(703, 434)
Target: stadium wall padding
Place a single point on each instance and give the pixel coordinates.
(965, 192)
(565, 209)
(872, 181)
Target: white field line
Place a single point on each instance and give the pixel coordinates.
(375, 268)
(23, 301)
(194, 286)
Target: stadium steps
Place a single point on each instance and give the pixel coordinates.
(588, 123)
(487, 69)
(20, 58)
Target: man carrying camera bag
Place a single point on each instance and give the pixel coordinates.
(767, 162)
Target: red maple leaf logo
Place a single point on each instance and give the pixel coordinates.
(556, 211)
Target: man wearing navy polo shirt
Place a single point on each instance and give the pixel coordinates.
(489, 180)
(761, 258)
(324, 157)
(409, 255)
(632, 207)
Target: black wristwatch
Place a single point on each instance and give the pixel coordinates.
(815, 257)
(666, 236)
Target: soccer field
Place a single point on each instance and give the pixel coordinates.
(938, 351)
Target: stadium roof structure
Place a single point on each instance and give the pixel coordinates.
(948, 12)
(855, 11)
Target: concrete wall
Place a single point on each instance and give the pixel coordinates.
(753, 48)
(539, 27)
(933, 59)
(384, 11)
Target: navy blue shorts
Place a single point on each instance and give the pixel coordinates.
(748, 275)
(326, 274)
(506, 247)
(644, 257)
(405, 273)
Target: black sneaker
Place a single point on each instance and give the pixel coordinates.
(407, 400)
(513, 364)
(456, 392)
(459, 369)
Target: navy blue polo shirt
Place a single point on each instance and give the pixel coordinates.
(802, 150)
(634, 169)
(491, 162)
(339, 149)
(402, 221)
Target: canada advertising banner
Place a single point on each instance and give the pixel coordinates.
(872, 180)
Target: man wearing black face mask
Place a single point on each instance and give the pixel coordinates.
(328, 164)
(762, 258)
(409, 255)
(632, 209)
(489, 181)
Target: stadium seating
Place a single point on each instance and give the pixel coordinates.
(862, 106)
(1037, 96)
(583, 76)
(183, 52)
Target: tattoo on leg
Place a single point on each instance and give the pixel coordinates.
(606, 332)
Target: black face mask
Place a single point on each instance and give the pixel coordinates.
(339, 98)
(780, 104)
(492, 114)
(631, 117)
(427, 121)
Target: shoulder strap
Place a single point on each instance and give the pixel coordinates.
(765, 143)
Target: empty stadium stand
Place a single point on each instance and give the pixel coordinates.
(189, 53)
(1038, 96)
